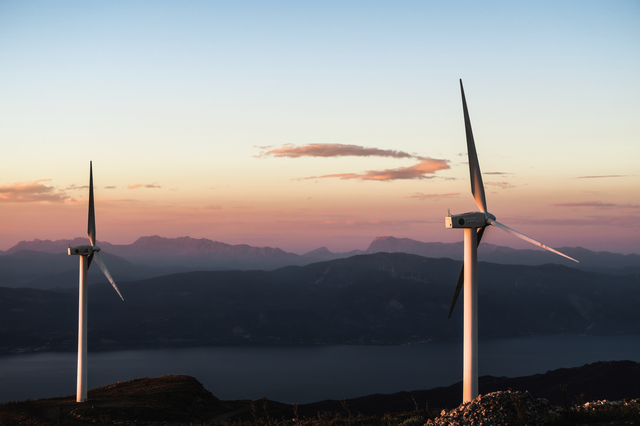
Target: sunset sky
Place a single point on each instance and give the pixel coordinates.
(299, 124)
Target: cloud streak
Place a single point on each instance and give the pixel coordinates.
(139, 185)
(622, 221)
(351, 224)
(597, 204)
(501, 185)
(31, 192)
(74, 187)
(599, 177)
(435, 197)
(333, 150)
(422, 170)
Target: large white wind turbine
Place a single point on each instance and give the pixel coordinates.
(87, 254)
(474, 225)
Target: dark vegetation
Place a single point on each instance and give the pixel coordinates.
(182, 400)
(382, 298)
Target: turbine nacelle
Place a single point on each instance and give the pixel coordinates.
(468, 220)
(83, 250)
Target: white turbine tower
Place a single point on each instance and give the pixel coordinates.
(474, 224)
(87, 253)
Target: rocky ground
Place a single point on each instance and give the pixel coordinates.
(520, 408)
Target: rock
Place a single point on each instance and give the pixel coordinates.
(497, 408)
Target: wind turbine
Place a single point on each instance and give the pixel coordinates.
(474, 225)
(87, 254)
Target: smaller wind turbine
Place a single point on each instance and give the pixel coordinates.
(474, 225)
(87, 254)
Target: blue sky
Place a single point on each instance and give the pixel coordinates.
(179, 99)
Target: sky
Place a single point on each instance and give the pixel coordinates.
(305, 124)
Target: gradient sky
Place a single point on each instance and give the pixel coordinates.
(299, 124)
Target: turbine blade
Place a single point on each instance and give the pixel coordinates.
(529, 239)
(89, 259)
(461, 277)
(477, 187)
(91, 228)
(104, 269)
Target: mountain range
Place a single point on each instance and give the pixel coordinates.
(381, 298)
(45, 264)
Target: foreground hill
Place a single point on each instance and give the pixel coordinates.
(611, 380)
(161, 400)
(182, 400)
(383, 298)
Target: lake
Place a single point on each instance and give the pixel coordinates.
(310, 373)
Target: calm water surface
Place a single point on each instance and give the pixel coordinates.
(308, 374)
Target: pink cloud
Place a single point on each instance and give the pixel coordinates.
(333, 150)
(426, 166)
(31, 192)
(421, 196)
(599, 204)
(213, 207)
(134, 186)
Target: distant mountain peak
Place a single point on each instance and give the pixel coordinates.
(202, 253)
(322, 251)
(47, 246)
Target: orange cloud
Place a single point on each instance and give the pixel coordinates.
(426, 166)
(333, 150)
(421, 196)
(31, 192)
